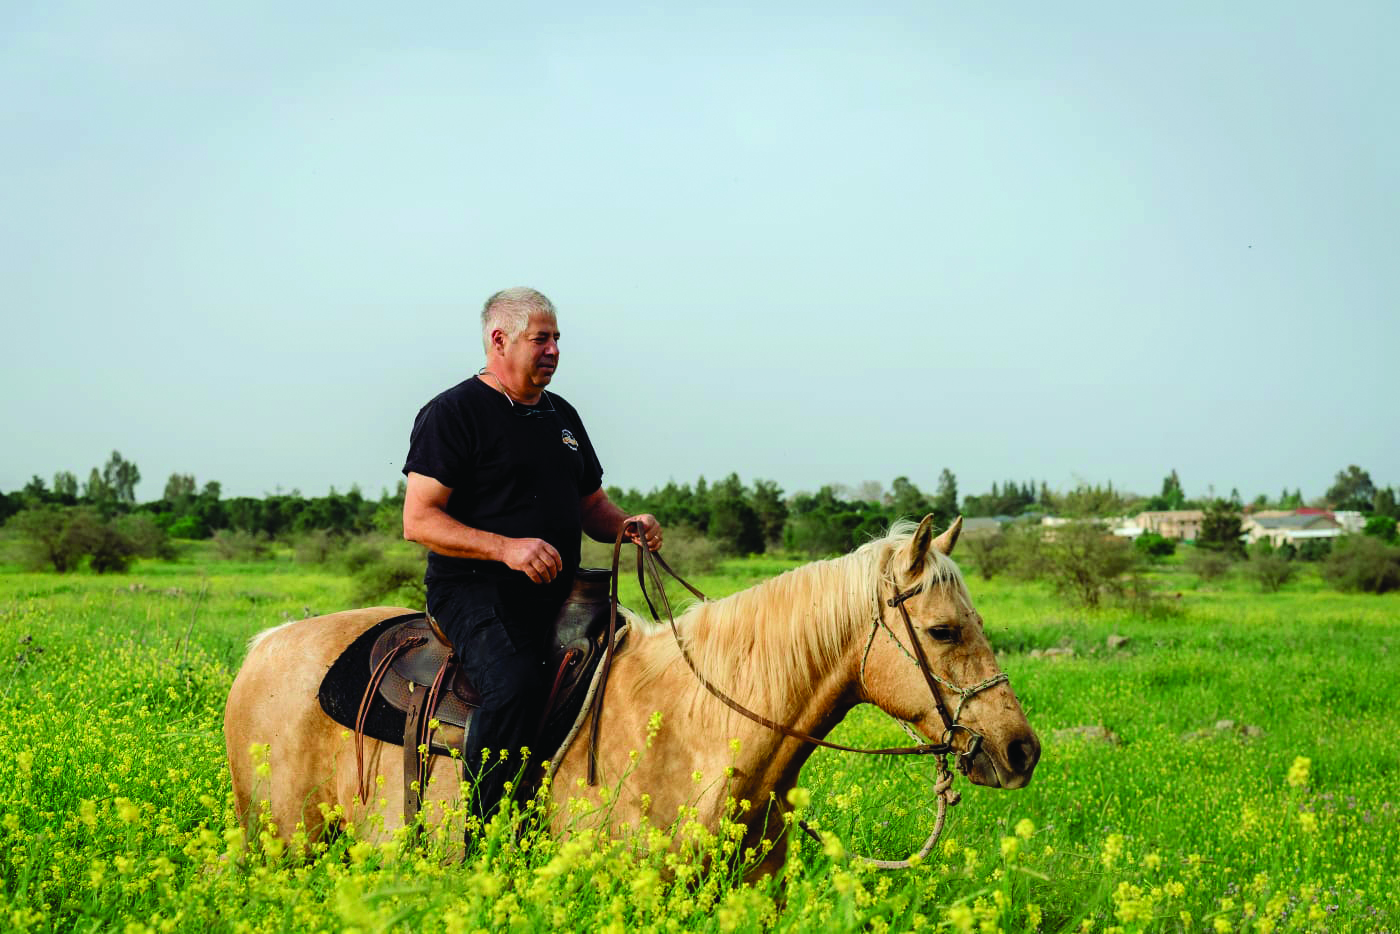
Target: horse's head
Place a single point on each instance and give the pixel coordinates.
(946, 681)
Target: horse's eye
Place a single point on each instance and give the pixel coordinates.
(944, 633)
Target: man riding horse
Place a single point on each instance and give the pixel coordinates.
(502, 481)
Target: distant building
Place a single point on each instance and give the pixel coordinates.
(1180, 524)
(984, 525)
(1350, 520)
(1291, 529)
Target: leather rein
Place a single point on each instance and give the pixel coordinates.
(647, 568)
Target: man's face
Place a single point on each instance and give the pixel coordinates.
(534, 354)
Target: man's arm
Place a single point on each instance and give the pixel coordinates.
(602, 518)
(425, 520)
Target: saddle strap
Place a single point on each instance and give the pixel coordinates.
(412, 761)
(366, 702)
(570, 658)
(418, 734)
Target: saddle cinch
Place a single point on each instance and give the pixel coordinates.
(414, 679)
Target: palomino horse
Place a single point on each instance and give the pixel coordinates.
(802, 649)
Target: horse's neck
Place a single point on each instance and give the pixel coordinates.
(774, 644)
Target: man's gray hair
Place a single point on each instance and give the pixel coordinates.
(509, 310)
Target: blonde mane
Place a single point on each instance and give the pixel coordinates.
(762, 645)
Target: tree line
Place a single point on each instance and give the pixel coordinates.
(101, 520)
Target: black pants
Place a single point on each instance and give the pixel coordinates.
(504, 658)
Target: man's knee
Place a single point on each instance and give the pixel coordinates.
(510, 681)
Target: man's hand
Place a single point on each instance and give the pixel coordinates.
(535, 557)
(644, 529)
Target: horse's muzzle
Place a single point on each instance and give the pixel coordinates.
(1012, 768)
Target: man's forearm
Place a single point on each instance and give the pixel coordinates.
(602, 519)
(444, 535)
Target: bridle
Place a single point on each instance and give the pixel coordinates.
(951, 722)
(649, 566)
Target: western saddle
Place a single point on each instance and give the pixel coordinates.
(414, 670)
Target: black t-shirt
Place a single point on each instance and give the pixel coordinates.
(516, 470)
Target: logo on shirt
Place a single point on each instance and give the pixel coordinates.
(569, 440)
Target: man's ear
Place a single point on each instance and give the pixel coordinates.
(949, 538)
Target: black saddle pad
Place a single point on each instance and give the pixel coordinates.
(344, 687)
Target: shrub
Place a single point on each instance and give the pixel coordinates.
(49, 538)
(361, 553)
(146, 535)
(239, 545)
(1026, 546)
(990, 551)
(391, 579)
(1154, 545)
(1209, 565)
(1085, 562)
(188, 527)
(315, 547)
(61, 537)
(1365, 563)
(111, 549)
(1314, 549)
(1269, 566)
(1382, 527)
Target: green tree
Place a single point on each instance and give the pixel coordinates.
(1093, 501)
(35, 492)
(945, 499)
(1353, 489)
(771, 509)
(1172, 496)
(822, 523)
(65, 487)
(906, 499)
(97, 491)
(121, 476)
(1221, 528)
(1384, 504)
(179, 489)
(734, 523)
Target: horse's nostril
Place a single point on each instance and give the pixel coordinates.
(1023, 754)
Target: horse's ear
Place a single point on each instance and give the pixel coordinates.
(949, 538)
(917, 550)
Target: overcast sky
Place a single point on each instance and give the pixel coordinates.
(812, 242)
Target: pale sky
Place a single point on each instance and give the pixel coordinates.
(810, 242)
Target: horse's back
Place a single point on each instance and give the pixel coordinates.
(273, 703)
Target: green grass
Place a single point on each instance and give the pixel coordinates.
(115, 813)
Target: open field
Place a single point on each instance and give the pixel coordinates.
(115, 813)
